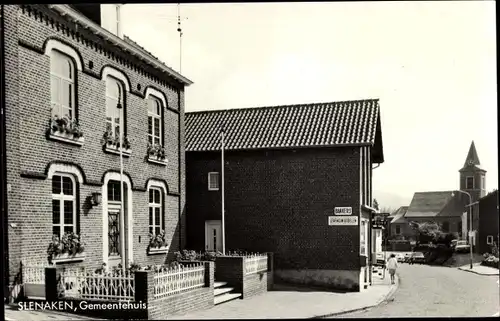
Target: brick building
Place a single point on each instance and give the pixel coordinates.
(488, 222)
(287, 169)
(67, 78)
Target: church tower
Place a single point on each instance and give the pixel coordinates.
(472, 176)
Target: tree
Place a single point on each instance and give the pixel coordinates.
(430, 232)
(375, 204)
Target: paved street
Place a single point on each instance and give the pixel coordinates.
(429, 291)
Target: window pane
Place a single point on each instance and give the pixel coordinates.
(67, 186)
(56, 184)
(68, 212)
(151, 216)
(150, 125)
(150, 106)
(56, 230)
(56, 211)
(157, 140)
(108, 123)
(151, 196)
(157, 196)
(157, 127)
(150, 139)
(54, 89)
(68, 229)
(66, 68)
(158, 107)
(157, 231)
(110, 107)
(157, 216)
(150, 230)
(117, 131)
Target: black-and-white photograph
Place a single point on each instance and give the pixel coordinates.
(249, 160)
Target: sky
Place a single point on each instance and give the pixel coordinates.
(431, 64)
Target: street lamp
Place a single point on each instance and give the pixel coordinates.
(470, 221)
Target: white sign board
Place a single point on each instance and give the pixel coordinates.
(342, 211)
(342, 220)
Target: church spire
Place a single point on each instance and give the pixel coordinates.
(472, 158)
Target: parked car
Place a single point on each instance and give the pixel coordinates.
(462, 247)
(417, 257)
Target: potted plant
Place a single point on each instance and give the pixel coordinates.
(65, 128)
(157, 243)
(112, 142)
(156, 152)
(67, 248)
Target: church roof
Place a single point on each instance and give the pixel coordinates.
(431, 204)
(472, 160)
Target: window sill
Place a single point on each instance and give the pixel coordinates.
(66, 138)
(159, 250)
(111, 149)
(155, 160)
(67, 258)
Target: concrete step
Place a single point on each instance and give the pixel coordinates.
(220, 291)
(226, 297)
(219, 284)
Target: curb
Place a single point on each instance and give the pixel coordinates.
(388, 297)
(470, 271)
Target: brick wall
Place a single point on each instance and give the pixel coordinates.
(279, 201)
(30, 153)
(488, 221)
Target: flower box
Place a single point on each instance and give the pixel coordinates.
(66, 257)
(156, 160)
(158, 250)
(66, 138)
(112, 149)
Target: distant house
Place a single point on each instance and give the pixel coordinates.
(488, 222)
(399, 225)
(444, 207)
(286, 169)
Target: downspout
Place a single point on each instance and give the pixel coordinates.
(3, 172)
(180, 165)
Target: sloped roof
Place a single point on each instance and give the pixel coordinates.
(293, 126)
(398, 215)
(431, 204)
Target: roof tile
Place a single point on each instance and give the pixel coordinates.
(306, 125)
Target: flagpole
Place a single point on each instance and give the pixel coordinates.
(222, 192)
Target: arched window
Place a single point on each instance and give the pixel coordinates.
(62, 85)
(114, 95)
(156, 213)
(63, 204)
(154, 121)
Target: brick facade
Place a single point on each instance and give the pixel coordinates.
(488, 222)
(31, 156)
(279, 201)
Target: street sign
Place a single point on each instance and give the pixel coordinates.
(345, 221)
(343, 211)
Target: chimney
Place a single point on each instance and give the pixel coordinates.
(119, 32)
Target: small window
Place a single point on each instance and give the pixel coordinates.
(63, 204)
(155, 205)
(213, 181)
(489, 240)
(446, 227)
(398, 229)
(469, 182)
(154, 121)
(62, 85)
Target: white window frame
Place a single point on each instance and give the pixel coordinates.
(211, 186)
(466, 180)
(61, 197)
(153, 116)
(489, 239)
(58, 106)
(114, 112)
(154, 206)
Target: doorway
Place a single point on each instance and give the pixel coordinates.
(117, 224)
(213, 236)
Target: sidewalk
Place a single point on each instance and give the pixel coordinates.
(479, 269)
(298, 302)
